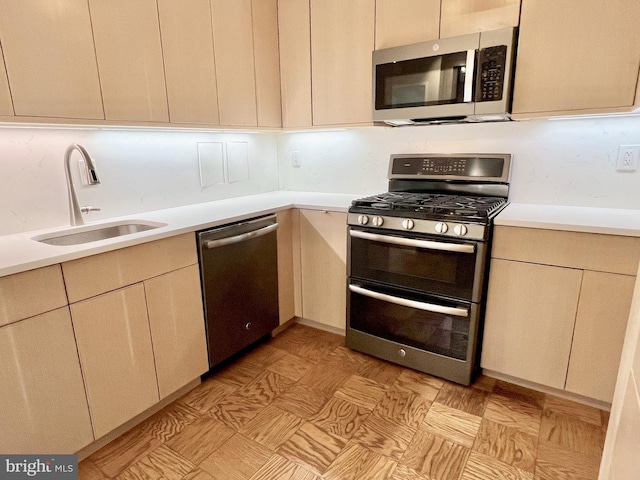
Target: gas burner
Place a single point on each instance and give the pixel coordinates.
(427, 205)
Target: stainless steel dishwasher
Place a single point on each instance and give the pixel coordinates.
(239, 273)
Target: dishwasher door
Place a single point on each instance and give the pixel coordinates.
(239, 272)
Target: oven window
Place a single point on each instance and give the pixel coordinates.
(438, 333)
(410, 262)
(439, 272)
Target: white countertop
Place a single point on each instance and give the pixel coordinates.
(609, 221)
(18, 252)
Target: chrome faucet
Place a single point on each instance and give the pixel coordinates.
(75, 211)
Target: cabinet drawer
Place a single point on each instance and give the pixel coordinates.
(587, 251)
(91, 276)
(30, 293)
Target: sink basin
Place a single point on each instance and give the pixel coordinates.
(94, 233)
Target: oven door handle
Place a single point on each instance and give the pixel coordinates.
(411, 242)
(429, 307)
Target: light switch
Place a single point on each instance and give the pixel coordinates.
(237, 161)
(211, 163)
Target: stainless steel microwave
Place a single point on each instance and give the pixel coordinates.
(465, 79)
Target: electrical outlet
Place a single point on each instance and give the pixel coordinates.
(295, 158)
(628, 158)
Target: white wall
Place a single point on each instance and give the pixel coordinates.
(139, 170)
(566, 162)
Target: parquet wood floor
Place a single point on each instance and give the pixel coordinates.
(304, 407)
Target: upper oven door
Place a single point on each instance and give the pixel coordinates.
(436, 266)
(425, 80)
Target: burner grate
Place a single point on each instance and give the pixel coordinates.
(472, 207)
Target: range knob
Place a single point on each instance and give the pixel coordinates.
(407, 224)
(402, 352)
(442, 227)
(460, 230)
(378, 221)
(363, 219)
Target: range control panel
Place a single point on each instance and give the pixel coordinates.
(457, 167)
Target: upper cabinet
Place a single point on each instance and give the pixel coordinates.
(577, 58)
(233, 44)
(189, 62)
(294, 30)
(460, 17)
(6, 106)
(342, 39)
(50, 58)
(412, 22)
(265, 52)
(129, 54)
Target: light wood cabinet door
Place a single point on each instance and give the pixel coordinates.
(577, 58)
(529, 322)
(127, 40)
(189, 62)
(50, 58)
(44, 408)
(294, 31)
(601, 323)
(460, 17)
(286, 285)
(114, 343)
(6, 105)
(323, 240)
(342, 39)
(235, 71)
(30, 293)
(406, 21)
(174, 302)
(265, 47)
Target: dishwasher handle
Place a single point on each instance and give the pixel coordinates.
(240, 238)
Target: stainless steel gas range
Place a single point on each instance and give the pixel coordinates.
(418, 260)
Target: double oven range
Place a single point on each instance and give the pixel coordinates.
(418, 259)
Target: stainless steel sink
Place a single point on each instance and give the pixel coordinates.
(87, 234)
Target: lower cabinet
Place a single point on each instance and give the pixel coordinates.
(114, 343)
(174, 303)
(286, 268)
(323, 265)
(530, 315)
(557, 308)
(601, 323)
(144, 339)
(44, 408)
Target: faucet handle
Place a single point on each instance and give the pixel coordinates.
(88, 208)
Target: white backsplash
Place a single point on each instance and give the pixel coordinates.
(139, 170)
(565, 162)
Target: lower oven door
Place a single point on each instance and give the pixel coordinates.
(432, 335)
(440, 266)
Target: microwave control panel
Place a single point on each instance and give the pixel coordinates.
(491, 66)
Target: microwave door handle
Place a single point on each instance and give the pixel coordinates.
(469, 75)
(428, 307)
(411, 242)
